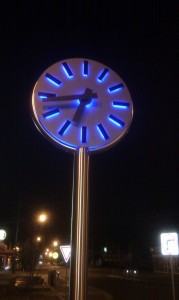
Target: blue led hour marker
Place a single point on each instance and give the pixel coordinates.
(83, 134)
(64, 127)
(120, 104)
(115, 87)
(85, 68)
(103, 75)
(53, 79)
(51, 113)
(46, 95)
(102, 131)
(67, 70)
(116, 120)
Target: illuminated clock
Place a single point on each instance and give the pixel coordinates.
(80, 102)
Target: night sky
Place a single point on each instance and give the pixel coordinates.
(133, 186)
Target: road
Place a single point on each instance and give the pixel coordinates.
(105, 284)
(61, 286)
(108, 284)
(142, 286)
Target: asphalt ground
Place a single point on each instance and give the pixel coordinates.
(9, 290)
(100, 287)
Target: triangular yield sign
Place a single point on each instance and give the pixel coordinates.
(66, 252)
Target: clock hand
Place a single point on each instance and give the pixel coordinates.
(87, 95)
(79, 112)
(85, 100)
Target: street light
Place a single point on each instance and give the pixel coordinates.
(55, 243)
(42, 218)
(39, 239)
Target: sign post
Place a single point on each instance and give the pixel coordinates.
(66, 252)
(169, 247)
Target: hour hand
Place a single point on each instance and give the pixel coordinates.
(79, 112)
(87, 98)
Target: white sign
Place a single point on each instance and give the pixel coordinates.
(66, 252)
(169, 243)
(2, 234)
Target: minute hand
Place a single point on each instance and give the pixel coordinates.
(71, 97)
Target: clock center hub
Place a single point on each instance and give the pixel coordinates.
(86, 101)
(87, 97)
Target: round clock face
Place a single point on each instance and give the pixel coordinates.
(82, 103)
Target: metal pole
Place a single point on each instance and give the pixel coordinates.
(66, 283)
(79, 227)
(172, 275)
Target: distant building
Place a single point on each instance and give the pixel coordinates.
(5, 255)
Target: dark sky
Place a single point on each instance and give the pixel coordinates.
(133, 186)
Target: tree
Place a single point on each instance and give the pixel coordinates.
(29, 256)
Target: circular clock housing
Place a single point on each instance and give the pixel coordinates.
(80, 102)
